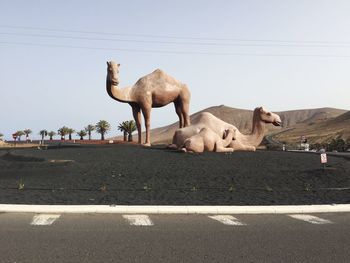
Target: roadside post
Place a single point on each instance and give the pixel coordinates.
(324, 160)
(14, 136)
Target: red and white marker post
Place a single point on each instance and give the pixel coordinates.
(324, 159)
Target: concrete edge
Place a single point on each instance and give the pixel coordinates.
(139, 209)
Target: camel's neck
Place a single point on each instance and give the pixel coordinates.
(258, 132)
(121, 95)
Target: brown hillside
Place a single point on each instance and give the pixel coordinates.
(318, 131)
(242, 119)
(290, 118)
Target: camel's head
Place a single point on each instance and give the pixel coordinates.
(268, 116)
(113, 72)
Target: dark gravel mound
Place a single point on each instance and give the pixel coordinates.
(20, 158)
(125, 174)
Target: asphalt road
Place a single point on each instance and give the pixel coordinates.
(174, 238)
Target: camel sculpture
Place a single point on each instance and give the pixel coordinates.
(208, 140)
(154, 90)
(240, 141)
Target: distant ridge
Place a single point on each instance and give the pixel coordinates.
(290, 118)
(319, 131)
(242, 119)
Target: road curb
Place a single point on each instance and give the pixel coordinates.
(139, 209)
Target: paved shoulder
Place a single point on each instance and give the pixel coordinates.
(174, 238)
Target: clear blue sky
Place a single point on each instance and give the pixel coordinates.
(281, 54)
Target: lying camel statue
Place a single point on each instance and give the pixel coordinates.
(154, 90)
(240, 141)
(208, 140)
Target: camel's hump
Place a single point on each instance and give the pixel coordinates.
(157, 75)
(206, 114)
(206, 117)
(158, 72)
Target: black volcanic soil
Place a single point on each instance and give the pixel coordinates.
(127, 174)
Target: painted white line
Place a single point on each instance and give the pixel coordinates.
(139, 220)
(311, 219)
(227, 220)
(140, 209)
(44, 220)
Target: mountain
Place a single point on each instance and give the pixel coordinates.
(242, 119)
(291, 118)
(318, 130)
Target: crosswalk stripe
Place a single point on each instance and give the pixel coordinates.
(227, 220)
(311, 219)
(44, 219)
(139, 220)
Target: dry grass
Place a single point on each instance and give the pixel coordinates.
(22, 145)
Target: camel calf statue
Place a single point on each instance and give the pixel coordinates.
(154, 90)
(239, 141)
(208, 140)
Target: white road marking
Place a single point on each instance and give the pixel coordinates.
(139, 220)
(44, 219)
(227, 220)
(312, 219)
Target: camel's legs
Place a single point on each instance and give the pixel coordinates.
(185, 97)
(178, 110)
(228, 138)
(220, 146)
(250, 148)
(220, 149)
(137, 117)
(241, 147)
(185, 107)
(147, 116)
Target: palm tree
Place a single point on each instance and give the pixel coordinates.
(103, 127)
(131, 129)
(70, 131)
(43, 134)
(82, 133)
(51, 134)
(1, 135)
(123, 128)
(19, 134)
(89, 129)
(63, 132)
(27, 132)
(127, 127)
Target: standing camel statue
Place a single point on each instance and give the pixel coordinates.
(239, 142)
(154, 90)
